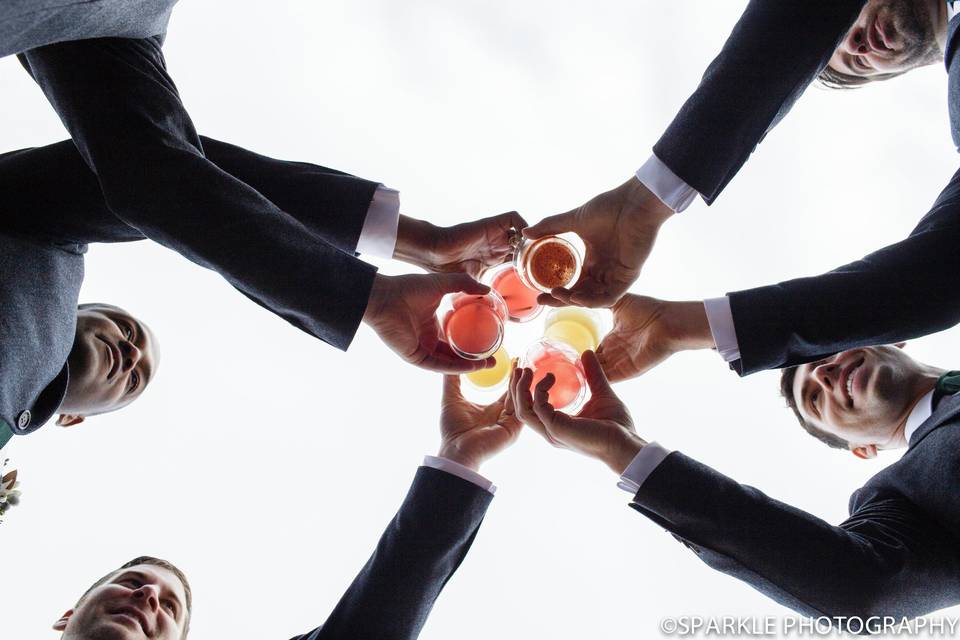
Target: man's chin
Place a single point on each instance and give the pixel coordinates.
(111, 628)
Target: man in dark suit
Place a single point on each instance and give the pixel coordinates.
(394, 592)
(761, 71)
(896, 555)
(53, 208)
(123, 111)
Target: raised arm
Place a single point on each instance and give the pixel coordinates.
(761, 71)
(429, 537)
(889, 558)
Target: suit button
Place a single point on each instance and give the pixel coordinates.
(23, 419)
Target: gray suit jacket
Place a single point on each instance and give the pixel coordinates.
(38, 292)
(28, 24)
(898, 554)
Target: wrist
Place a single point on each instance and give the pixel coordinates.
(378, 293)
(643, 204)
(455, 454)
(623, 451)
(416, 241)
(689, 326)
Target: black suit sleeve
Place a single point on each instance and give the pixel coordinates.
(124, 114)
(887, 559)
(50, 192)
(421, 548)
(774, 52)
(902, 291)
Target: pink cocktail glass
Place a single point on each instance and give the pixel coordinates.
(521, 300)
(473, 324)
(570, 387)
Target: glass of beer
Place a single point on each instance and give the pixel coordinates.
(549, 262)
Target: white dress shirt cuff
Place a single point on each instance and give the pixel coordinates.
(457, 469)
(724, 334)
(379, 234)
(665, 184)
(642, 465)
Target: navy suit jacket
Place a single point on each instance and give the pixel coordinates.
(421, 548)
(891, 295)
(898, 554)
(887, 296)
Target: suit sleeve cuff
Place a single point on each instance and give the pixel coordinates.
(665, 184)
(379, 234)
(642, 465)
(457, 469)
(724, 333)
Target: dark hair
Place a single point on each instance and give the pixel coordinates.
(156, 562)
(787, 376)
(833, 79)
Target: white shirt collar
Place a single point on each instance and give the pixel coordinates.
(921, 411)
(952, 9)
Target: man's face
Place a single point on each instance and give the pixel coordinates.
(892, 36)
(862, 395)
(143, 601)
(112, 361)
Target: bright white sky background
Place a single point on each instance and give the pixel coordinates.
(266, 464)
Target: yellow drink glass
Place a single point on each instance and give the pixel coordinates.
(488, 379)
(574, 326)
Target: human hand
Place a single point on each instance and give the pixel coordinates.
(403, 312)
(471, 433)
(469, 247)
(619, 228)
(647, 331)
(603, 429)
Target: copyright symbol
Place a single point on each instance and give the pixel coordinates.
(668, 626)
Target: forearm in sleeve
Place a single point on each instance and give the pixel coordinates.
(128, 123)
(887, 559)
(760, 72)
(903, 291)
(420, 550)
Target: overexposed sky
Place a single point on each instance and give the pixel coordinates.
(266, 464)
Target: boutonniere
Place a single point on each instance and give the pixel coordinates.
(9, 491)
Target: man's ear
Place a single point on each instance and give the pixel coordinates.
(61, 624)
(68, 420)
(900, 345)
(865, 453)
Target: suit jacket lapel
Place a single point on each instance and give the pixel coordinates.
(946, 411)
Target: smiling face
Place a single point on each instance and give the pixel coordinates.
(891, 37)
(140, 601)
(862, 395)
(112, 361)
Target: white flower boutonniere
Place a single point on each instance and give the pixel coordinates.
(9, 491)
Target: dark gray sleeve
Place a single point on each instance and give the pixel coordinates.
(420, 550)
(124, 114)
(888, 558)
(774, 52)
(901, 292)
(50, 192)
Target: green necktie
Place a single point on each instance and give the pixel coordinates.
(5, 433)
(947, 385)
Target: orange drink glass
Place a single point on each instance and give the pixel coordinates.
(473, 324)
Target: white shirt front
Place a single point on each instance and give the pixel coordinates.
(920, 413)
